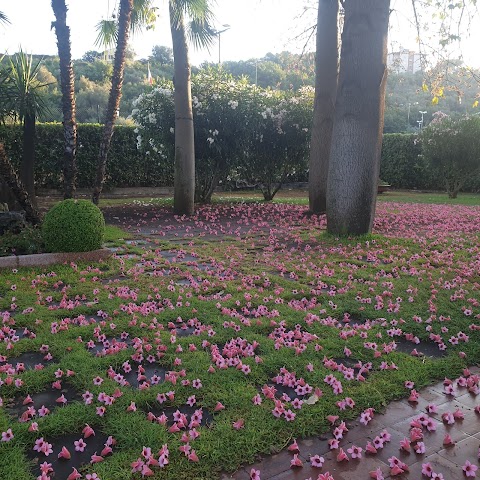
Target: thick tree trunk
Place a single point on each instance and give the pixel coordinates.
(184, 180)
(27, 168)
(7, 173)
(357, 133)
(326, 78)
(113, 105)
(67, 81)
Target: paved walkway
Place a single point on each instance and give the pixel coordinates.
(397, 421)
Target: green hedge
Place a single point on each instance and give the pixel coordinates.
(127, 167)
(402, 164)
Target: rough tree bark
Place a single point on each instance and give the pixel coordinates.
(113, 105)
(326, 78)
(7, 173)
(67, 81)
(184, 179)
(357, 133)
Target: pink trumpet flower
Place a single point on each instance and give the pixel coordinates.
(64, 453)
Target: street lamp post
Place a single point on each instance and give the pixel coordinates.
(219, 33)
(421, 121)
(408, 114)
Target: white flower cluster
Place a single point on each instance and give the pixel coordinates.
(211, 139)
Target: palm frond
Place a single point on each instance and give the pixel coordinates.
(143, 16)
(195, 9)
(201, 34)
(4, 18)
(107, 33)
(199, 19)
(24, 94)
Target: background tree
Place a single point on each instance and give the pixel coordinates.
(91, 56)
(161, 55)
(326, 77)
(357, 132)
(200, 32)
(91, 100)
(452, 149)
(124, 18)
(62, 32)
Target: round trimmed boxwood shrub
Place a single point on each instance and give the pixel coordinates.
(73, 226)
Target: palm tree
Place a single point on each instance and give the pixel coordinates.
(25, 101)
(124, 19)
(10, 177)
(358, 122)
(143, 16)
(67, 81)
(326, 77)
(140, 14)
(200, 32)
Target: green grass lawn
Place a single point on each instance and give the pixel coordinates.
(246, 326)
(300, 197)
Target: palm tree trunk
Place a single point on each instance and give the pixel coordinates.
(11, 179)
(184, 180)
(113, 105)
(27, 169)
(67, 80)
(357, 133)
(326, 78)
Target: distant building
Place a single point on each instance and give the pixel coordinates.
(404, 61)
(109, 55)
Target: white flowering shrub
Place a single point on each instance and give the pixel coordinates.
(154, 115)
(277, 139)
(242, 132)
(452, 149)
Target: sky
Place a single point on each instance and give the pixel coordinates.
(256, 27)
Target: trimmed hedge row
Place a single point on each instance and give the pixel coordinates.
(402, 164)
(127, 167)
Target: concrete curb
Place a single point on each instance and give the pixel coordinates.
(45, 259)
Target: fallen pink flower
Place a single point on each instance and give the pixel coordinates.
(193, 456)
(254, 474)
(107, 450)
(427, 469)
(448, 440)
(88, 431)
(396, 470)
(405, 444)
(317, 461)
(240, 423)
(7, 436)
(332, 418)
(370, 448)
(295, 462)
(325, 476)
(341, 456)
(96, 458)
(355, 452)
(377, 474)
(74, 475)
(293, 447)
(64, 453)
(469, 469)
